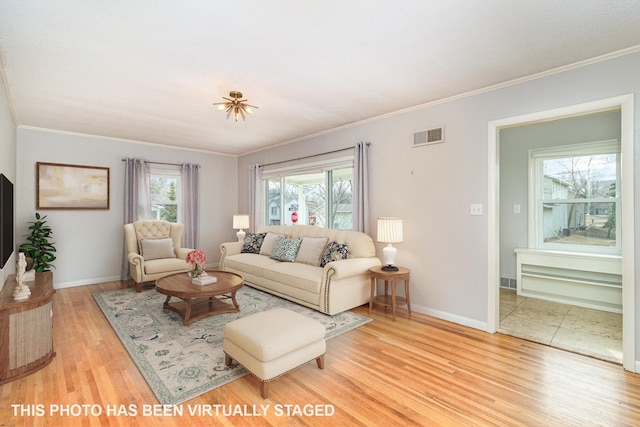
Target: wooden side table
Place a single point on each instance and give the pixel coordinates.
(392, 300)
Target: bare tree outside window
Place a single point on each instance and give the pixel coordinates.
(579, 199)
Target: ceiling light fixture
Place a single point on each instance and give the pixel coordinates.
(235, 105)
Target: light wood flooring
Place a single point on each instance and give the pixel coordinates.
(414, 371)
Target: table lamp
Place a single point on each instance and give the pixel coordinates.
(389, 231)
(240, 221)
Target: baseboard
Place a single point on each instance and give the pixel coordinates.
(465, 321)
(84, 282)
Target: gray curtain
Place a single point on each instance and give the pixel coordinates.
(190, 205)
(361, 188)
(255, 197)
(137, 201)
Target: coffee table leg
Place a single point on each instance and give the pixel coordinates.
(233, 298)
(187, 311)
(166, 302)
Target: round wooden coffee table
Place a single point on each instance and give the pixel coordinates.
(199, 302)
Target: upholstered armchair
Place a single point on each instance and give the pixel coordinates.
(154, 250)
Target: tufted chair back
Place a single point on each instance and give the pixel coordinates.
(152, 229)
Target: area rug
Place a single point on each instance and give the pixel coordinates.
(182, 362)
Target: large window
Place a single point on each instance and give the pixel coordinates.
(165, 194)
(575, 193)
(312, 195)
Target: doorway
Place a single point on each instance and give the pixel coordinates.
(625, 105)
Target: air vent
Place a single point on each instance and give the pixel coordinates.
(429, 136)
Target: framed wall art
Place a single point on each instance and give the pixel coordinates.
(61, 186)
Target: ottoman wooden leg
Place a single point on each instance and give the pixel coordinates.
(227, 359)
(264, 389)
(320, 362)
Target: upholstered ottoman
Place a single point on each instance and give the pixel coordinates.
(273, 343)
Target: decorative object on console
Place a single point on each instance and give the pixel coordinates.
(196, 259)
(22, 291)
(240, 222)
(237, 106)
(39, 246)
(389, 231)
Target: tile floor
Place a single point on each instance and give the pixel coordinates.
(581, 330)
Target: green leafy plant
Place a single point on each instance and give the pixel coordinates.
(39, 246)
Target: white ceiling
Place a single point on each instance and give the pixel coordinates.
(150, 70)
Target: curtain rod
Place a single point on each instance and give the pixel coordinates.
(311, 156)
(159, 163)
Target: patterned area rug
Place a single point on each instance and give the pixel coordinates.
(181, 362)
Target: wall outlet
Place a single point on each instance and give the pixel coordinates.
(476, 209)
(516, 209)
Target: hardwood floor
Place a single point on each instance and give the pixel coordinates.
(417, 371)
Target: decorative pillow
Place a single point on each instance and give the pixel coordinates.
(252, 243)
(157, 248)
(334, 252)
(311, 249)
(286, 249)
(268, 242)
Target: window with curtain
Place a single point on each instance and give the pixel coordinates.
(166, 192)
(318, 194)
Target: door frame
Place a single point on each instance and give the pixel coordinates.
(626, 105)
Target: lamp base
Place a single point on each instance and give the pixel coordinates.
(389, 268)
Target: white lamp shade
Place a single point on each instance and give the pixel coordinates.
(240, 221)
(389, 230)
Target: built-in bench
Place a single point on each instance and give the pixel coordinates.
(582, 279)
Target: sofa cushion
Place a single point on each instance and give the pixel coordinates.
(269, 242)
(249, 263)
(311, 250)
(157, 248)
(295, 274)
(252, 243)
(285, 249)
(334, 252)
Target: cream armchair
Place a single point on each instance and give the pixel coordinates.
(154, 250)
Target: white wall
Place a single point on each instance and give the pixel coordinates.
(89, 242)
(432, 187)
(7, 161)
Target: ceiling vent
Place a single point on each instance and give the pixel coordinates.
(429, 136)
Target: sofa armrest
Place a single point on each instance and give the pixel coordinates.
(227, 249)
(342, 269)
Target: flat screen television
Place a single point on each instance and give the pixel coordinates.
(6, 220)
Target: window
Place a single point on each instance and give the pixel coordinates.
(165, 193)
(319, 194)
(576, 194)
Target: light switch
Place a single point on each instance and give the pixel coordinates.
(516, 209)
(476, 209)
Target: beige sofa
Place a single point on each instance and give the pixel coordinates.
(338, 286)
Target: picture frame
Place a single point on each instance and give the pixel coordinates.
(64, 186)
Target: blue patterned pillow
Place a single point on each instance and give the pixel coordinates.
(334, 252)
(286, 249)
(252, 243)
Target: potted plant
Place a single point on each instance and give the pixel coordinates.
(39, 246)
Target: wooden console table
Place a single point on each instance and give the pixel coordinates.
(26, 328)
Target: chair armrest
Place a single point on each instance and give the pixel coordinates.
(344, 268)
(182, 252)
(135, 259)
